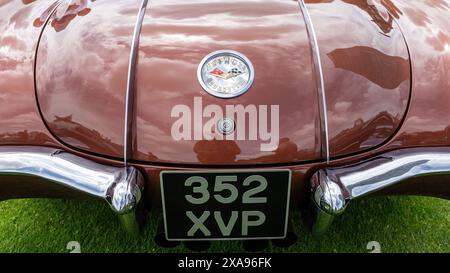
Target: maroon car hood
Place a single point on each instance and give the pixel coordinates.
(82, 70)
(174, 40)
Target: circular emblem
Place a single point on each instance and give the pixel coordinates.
(226, 126)
(225, 74)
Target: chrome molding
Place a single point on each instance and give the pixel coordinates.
(334, 188)
(131, 84)
(121, 187)
(125, 195)
(325, 141)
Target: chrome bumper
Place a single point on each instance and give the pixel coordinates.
(333, 188)
(120, 187)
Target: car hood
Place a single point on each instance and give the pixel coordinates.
(81, 79)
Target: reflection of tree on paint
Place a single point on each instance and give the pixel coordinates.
(364, 134)
(26, 2)
(385, 24)
(287, 151)
(37, 138)
(39, 22)
(68, 13)
(73, 132)
(64, 14)
(424, 137)
(392, 8)
(384, 70)
(220, 151)
(216, 151)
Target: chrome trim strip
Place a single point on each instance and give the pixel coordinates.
(325, 144)
(388, 170)
(334, 188)
(120, 187)
(131, 81)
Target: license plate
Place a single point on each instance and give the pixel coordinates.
(225, 205)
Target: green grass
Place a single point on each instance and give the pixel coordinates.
(399, 224)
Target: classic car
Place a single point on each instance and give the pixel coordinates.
(224, 116)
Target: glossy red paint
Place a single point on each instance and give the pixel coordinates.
(427, 30)
(20, 121)
(84, 51)
(177, 35)
(366, 72)
(81, 75)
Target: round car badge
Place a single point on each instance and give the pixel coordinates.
(226, 74)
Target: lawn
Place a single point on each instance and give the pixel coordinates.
(399, 224)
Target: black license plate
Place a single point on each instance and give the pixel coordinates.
(225, 205)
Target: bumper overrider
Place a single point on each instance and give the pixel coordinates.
(333, 188)
(122, 187)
